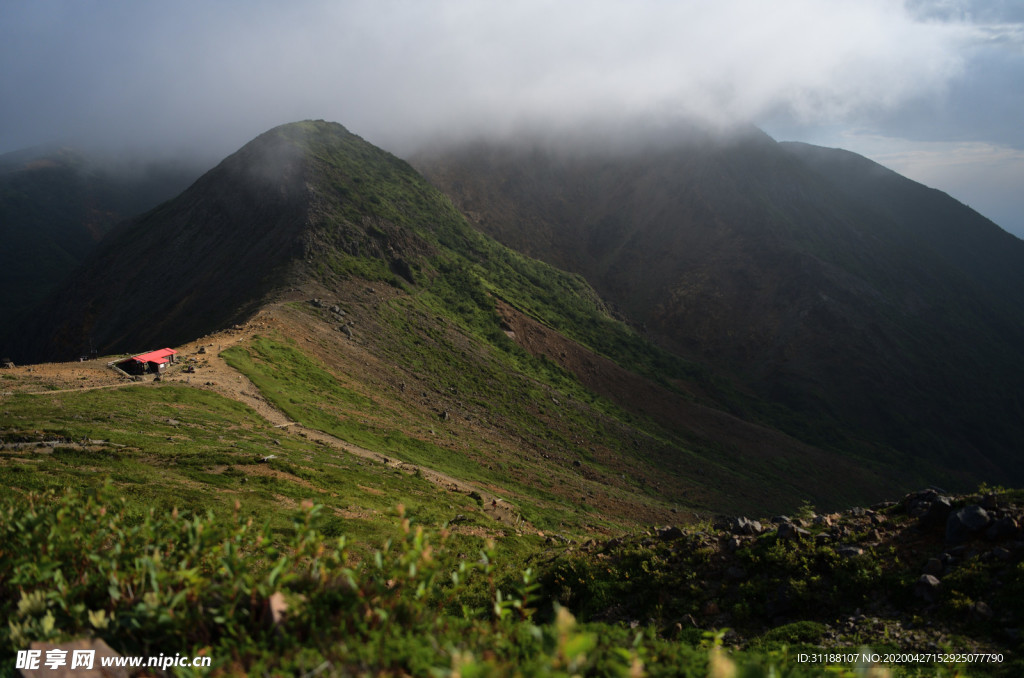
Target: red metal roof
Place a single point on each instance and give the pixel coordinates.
(160, 356)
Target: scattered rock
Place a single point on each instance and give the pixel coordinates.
(612, 544)
(980, 611)
(670, 533)
(791, 532)
(849, 551)
(964, 523)
(990, 501)
(934, 567)
(936, 512)
(1002, 528)
(745, 526)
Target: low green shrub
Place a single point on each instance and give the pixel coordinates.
(84, 564)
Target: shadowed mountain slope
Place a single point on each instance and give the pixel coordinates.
(55, 206)
(873, 309)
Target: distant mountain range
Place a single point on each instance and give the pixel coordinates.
(56, 204)
(734, 321)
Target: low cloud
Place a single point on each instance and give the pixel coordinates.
(199, 75)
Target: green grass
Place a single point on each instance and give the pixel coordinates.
(173, 446)
(83, 563)
(484, 387)
(307, 392)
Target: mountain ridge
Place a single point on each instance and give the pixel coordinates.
(310, 210)
(744, 256)
(454, 448)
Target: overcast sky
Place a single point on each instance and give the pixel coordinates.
(931, 88)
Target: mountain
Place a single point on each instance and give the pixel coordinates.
(56, 203)
(882, 316)
(523, 361)
(384, 422)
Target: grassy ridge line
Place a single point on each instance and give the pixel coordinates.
(356, 182)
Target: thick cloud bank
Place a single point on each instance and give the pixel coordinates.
(200, 76)
(398, 70)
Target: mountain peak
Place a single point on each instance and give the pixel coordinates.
(295, 199)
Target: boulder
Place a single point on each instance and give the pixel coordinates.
(670, 533)
(1002, 528)
(936, 512)
(963, 524)
(791, 532)
(745, 526)
(916, 504)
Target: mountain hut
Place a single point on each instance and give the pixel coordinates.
(154, 361)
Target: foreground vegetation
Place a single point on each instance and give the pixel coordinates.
(182, 534)
(82, 564)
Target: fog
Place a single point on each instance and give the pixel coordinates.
(199, 78)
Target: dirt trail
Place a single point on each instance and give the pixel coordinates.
(492, 505)
(213, 373)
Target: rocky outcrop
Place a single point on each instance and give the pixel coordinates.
(747, 578)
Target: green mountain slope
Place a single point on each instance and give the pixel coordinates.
(524, 358)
